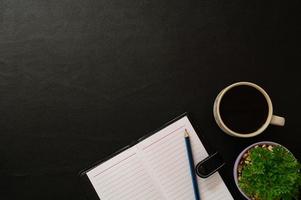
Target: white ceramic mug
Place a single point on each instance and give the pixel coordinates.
(271, 119)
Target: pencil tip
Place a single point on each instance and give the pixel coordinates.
(186, 133)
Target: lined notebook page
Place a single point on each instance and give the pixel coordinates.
(166, 158)
(157, 168)
(123, 178)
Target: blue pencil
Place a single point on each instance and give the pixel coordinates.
(191, 165)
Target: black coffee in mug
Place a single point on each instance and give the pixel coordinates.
(244, 109)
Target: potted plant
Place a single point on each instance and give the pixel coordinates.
(267, 171)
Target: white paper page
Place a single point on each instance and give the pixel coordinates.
(124, 177)
(166, 158)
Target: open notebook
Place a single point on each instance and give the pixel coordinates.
(157, 168)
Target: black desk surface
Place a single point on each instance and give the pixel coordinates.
(80, 79)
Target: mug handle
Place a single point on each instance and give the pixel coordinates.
(277, 120)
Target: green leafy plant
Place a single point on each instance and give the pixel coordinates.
(270, 174)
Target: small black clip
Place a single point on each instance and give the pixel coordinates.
(209, 165)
